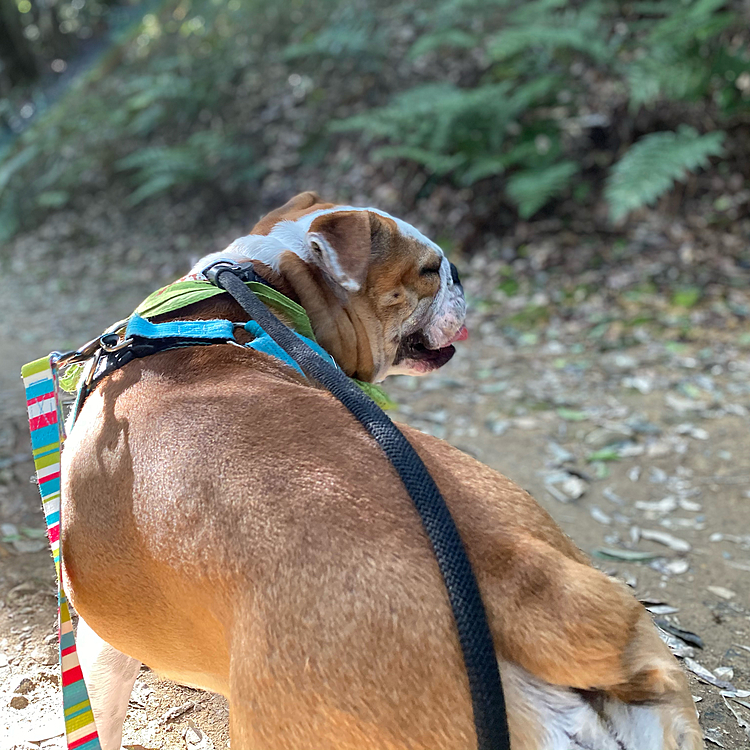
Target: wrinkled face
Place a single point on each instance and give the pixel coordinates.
(382, 298)
(419, 300)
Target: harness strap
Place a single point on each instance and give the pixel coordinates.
(474, 635)
(179, 329)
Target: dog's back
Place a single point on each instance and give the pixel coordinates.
(257, 543)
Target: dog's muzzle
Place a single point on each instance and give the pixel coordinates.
(431, 346)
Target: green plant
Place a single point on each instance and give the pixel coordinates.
(519, 119)
(201, 159)
(654, 163)
(496, 94)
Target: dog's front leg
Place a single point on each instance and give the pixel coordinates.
(109, 676)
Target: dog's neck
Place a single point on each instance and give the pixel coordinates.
(343, 325)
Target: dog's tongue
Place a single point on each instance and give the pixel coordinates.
(461, 335)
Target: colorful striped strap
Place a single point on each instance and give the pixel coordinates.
(47, 436)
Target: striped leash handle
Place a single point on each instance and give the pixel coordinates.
(47, 436)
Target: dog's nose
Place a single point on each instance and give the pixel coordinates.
(454, 275)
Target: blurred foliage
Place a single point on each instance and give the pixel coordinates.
(652, 164)
(540, 100)
(37, 35)
(543, 61)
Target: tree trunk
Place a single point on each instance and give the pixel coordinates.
(15, 50)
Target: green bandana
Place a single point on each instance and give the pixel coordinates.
(182, 293)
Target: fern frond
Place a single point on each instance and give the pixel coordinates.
(442, 118)
(457, 38)
(654, 163)
(436, 163)
(532, 188)
(538, 26)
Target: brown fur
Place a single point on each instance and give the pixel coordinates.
(360, 330)
(233, 527)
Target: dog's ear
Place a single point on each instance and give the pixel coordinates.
(291, 210)
(340, 244)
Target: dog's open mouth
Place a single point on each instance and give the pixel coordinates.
(414, 355)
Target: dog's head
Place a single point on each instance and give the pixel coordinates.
(382, 298)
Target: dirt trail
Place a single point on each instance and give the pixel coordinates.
(641, 449)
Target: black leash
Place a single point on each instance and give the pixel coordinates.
(468, 610)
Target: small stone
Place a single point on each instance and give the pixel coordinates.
(677, 567)
(624, 361)
(666, 505)
(690, 429)
(21, 590)
(192, 737)
(599, 515)
(499, 427)
(722, 592)
(682, 405)
(640, 383)
(601, 437)
(140, 694)
(27, 546)
(690, 505)
(724, 673)
(560, 455)
(196, 739)
(8, 529)
(662, 537)
(612, 496)
(658, 449)
(25, 686)
(565, 487)
(44, 655)
(19, 701)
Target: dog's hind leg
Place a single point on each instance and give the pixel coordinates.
(109, 676)
(572, 627)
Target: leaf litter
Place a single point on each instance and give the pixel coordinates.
(658, 395)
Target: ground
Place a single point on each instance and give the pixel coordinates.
(633, 436)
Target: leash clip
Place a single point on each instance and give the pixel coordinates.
(111, 342)
(212, 271)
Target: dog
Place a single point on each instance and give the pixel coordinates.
(228, 523)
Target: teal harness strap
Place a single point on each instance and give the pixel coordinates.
(212, 331)
(184, 329)
(264, 343)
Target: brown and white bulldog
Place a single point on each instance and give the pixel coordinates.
(229, 524)
(383, 299)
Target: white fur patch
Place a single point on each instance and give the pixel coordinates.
(568, 721)
(292, 236)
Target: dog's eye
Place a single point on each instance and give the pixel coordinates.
(429, 270)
